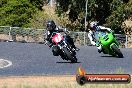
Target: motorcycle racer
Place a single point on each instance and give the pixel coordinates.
(93, 28)
(52, 27)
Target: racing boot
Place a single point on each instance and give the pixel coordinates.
(99, 48)
(99, 51)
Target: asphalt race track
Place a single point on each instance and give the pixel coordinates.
(37, 59)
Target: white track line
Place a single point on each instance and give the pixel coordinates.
(9, 63)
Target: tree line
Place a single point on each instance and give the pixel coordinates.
(110, 13)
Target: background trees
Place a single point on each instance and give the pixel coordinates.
(18, 12)
(109, 12)
(29, 13)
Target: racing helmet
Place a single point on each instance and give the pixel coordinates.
(93, 25)
(51, 25)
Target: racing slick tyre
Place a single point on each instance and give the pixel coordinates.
(70, 55)
(117, 51)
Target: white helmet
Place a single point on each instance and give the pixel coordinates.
(93, 24)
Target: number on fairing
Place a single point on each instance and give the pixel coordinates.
(58, 38)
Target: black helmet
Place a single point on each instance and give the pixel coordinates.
(51, 25)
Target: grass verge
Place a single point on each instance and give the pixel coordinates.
(51, 82)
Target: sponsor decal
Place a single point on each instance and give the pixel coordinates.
(82, 77)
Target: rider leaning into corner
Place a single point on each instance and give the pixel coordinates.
(93, 27)
(52, 27)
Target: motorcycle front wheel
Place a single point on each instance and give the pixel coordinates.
(117, 51)
(70, 55)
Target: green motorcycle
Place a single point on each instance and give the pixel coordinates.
(109, 43)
